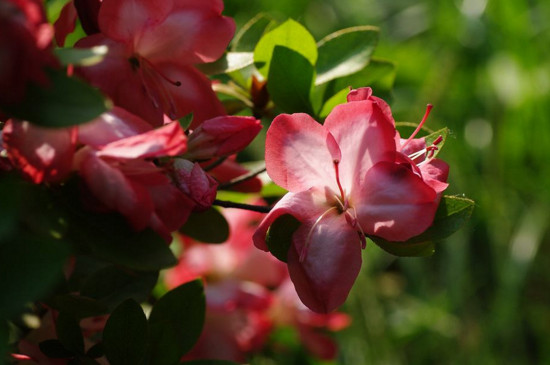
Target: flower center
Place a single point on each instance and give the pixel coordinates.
(156, 84)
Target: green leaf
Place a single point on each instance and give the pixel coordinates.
(249, 35)
(81, 56)
(378, 74)
(69, 333)
(338, 98)
(176, 322)
(229, 62)
(279, 235)
(345, 52)
(452, 213)
(66, 101)
(209, 226)
(54, 348)
(290, 80)
(13, 191)
(79, 306)
(4, 338)
(112, 285)
(30, 265)
(290, 34)
(125, 335)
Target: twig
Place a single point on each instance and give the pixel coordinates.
(241, 178)
(254, 208)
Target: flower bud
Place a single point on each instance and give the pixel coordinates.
(197, 184)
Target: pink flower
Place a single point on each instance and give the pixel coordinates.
(116, 168)
(42, 154)
(222, 136)
(190, 178)
(25, 41)
(153, 46)
(345, 180)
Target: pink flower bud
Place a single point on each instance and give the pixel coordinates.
(197, 184)
(222, 136)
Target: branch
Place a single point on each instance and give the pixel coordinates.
(240, 179)
(254, 208)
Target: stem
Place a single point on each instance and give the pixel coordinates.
(241, 178)
(254, 208)
(216, 163)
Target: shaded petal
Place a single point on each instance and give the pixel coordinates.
(435, 173)
(365, 137)
(126, 20)
(111, 126)
(394, 203)
(194, 32)
(43, 154)
(168, 140)
(333, 260)
(296, 153)
(115, 191)
(172, 209)
(65, 24)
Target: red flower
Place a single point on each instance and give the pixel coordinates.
(345, 180)
(152, 49)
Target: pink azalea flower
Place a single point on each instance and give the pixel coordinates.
(117, 170)
(153, 46)
(345, 180)
(222, 136)
(42, 154)
(195, 183)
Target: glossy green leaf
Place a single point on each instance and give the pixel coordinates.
(378, 74)
(279, 235)
(54, 348)
(345, 52)
(79, 306)
(66, 101)
(290, 34)
(338, 98)
(30, 265)
(125, 335)
(81, 56)
(112, 285)
(209, 226)
(229, 62)
(452, 213)
(176, 322)
(249, 35)
(69, 333)
(290, 80)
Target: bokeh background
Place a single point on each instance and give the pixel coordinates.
(484, 296)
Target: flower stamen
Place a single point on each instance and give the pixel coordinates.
(428, 109)
(303, 252)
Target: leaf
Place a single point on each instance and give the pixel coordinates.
(345, 52)
(30, 265)
(81, 56)
(378, 74)
(290, 34)
(69, 333)
(290, 80)
(176, 322)
(229, 62)
(79, 306)
(54, 348)
(125, 334)
(338, 98)
(452, 213)
(249, 35)
(13, 191)
(209, 226)
(65, 102)
(279, 235)
(4, 338)
(112, 285)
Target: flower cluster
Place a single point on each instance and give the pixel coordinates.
(249, 295)
(349, 178)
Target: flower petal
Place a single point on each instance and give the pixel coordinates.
(365, 137)
(126, 20)
(394, 203)
(296, 153)
(43, 154)
(168, 140)
(332, 262)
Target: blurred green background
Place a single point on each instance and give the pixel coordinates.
(484, 296)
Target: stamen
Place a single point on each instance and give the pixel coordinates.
(437, 141)
(303, 253)
(428, 109)
(175, 83)
(354, 222)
